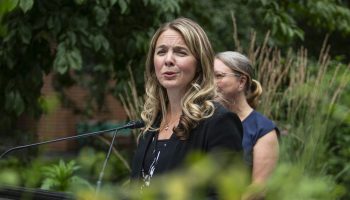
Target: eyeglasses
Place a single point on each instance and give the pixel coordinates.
(221, 75)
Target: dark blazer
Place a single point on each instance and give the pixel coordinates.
(223, 130)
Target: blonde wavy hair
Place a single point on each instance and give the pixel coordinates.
(197, 101)
(237, 62)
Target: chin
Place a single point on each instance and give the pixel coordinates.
(169, 86)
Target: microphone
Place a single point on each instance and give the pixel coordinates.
(129, 125)
(134, 124)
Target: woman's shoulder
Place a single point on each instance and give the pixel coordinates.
(258, 121)
(259, 117)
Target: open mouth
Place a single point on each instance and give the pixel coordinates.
(169, 74)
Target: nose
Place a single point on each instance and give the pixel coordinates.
(169, 59)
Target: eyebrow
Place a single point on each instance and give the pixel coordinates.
(176, 47)
(219, 72)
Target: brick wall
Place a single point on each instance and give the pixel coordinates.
(62, 122)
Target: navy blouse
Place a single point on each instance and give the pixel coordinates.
(255, 126)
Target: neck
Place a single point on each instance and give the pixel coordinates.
(171, 118)
(174, 106)
(241, 107)
(174, 109)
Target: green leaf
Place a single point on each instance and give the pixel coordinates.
(97, 43)
(112, 2)
(9, 177)
(284, 28)
(14, 102)
(100, 15)
(49, 103)
(299, 33)
(72, 38)
(145, 2)
(26, 5)
(50, 22)
(60, 64)
(66, 59)
(3, 29)
(74, 59)
(7, 6)
(26, 34)
(100, 41)
(79, 2)
(123, 6)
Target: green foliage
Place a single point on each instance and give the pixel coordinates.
(66, 59)
(60, 177)
(5, 7)
(26, 5)
(49, 103)
(282, 24)
(9, 177)
(91, 162)
(331, 15)
(287, 19)
(338, 153)
(228, 179)
(309, 108)
(16, 172)
(304, 186)
(93, 39)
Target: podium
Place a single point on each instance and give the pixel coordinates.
(20, 193)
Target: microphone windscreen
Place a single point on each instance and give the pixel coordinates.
(138, 124)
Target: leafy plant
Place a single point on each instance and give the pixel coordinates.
(228, 179)
(60, 177)
(91, 161)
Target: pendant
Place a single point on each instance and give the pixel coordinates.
(166, 127)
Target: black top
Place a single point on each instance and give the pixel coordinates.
(223, 130)
(158, 154)
(161, 147)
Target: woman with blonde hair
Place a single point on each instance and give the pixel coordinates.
(180, 114)
(239, 93)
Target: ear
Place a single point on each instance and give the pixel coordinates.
(242, 82)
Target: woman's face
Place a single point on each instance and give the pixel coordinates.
(228, 83)
(174, 64)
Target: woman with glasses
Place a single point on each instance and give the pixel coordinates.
(239, 92)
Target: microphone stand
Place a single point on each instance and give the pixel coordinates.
(99, 181)
(57, 140)
(130, 125)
